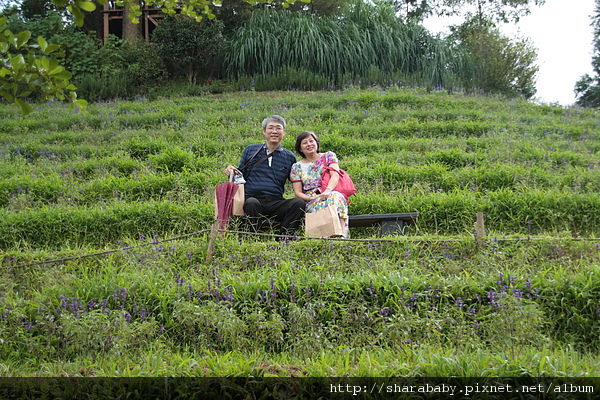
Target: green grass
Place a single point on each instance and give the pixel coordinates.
(104, 241)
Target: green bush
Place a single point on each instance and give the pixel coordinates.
(107, 87)
(86, 54)
(189, 48)
(143, 66)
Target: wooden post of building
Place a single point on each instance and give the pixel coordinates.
(106, 18)
(479, 229)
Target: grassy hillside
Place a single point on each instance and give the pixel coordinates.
(105, 229)
(138, 167)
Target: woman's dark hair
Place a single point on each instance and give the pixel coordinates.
(303, 135)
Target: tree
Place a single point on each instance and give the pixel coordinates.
(131, 29)
(587, 88)
(493, 10)
(316, 7)
(36, 8)
(234, 13)
(504, 65)
(413, 9)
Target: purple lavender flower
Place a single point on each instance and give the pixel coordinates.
(372, 290)
(458, 303)
(229, 296)
(493, 299)
(104, 303)
(412, 302)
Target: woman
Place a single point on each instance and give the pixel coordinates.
(306, 178)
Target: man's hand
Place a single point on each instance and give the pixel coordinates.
(229, 170)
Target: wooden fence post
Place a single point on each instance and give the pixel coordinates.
(479, 229)
(211, 241)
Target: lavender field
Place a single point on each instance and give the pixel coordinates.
(107, 268)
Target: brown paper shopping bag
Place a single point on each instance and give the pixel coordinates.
(238, 201)
(323, 223)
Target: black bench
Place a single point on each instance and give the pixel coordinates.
(389, 224)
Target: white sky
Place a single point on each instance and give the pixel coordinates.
(561, 31)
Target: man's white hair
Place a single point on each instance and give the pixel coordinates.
(273, 118)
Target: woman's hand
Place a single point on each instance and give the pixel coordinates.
(322, 196)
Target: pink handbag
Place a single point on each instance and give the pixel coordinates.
(345, 185)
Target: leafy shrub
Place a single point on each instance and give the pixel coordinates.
(98, 332)
(94, 88)
(85, 54)
(45, 25)
(209, 325)
(504, 65)
(143, 67)
(188, 47)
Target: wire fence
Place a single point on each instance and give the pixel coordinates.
(214, 233)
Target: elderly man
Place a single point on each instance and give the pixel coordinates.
(266, 168)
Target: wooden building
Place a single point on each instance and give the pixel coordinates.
(113, 20)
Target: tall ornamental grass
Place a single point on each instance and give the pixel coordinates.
(344, 48)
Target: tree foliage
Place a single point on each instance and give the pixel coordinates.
(587, 88)
(504, 65)
(32, 8)
(495, 10)
(413, 9)
(30, 66)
